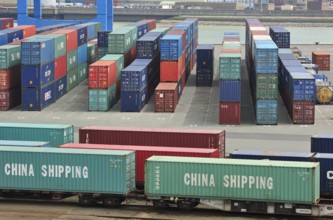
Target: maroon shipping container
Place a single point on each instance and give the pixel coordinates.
(60, 67)
(189, 138)
(10, 78)
(133, 53)
(144, 152)
(229, 113)
(166, 97)
(10, 98)
(127, 58)
(6, 23)
(322, 59)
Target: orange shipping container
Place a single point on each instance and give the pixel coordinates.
(171, 71)
(102, 74)
(28, 30)
(322, 59)
(166, 97)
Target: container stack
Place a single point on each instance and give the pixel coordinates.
(322, 59)
(262, 63)
(10, 76)
(102, 43)
(230, 79)
(178, 57)
(205, 65)
(280, 36)
(6, 23)
(297, 89)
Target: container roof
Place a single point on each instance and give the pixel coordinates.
(25, 125)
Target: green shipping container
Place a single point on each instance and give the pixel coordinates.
(267, 86)
(7, 143)
(72, 79)
(56, 134)
(249, 180)
(10, 55)
(72, 60)
(91, 53)
(230, 66)
(102, 99)
(102, 51)
(82, 72)
(67, 170)
(59, 44)
(119, 58)
(122, 39)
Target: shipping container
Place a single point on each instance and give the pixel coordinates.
(119, 58)
(322, 59)
(302, 86)
(59, 44)
(37, 98)
(3, 38)
(102, 74)
(271, 155)
(72, 60)
(267, 86)
(249, 180)
(148, 46)
(326, 182)
(230, 90)
(10, 78)
(60, 67)
(10, 55)
(151, 24)
(91, 53)
(189, 138)
(81, 34)
(142, 153)
(92, 29)
(204, 76)
(102, 51)
(171, 47)
(82, 72)
(142, 28)
(7, 143)
(82, 54)
(230, 113)
(170, 71)
(133, 101)
(166, 97)
(9, 98)
(77, 170)
(266, 112)
(134, 78)
(102, 38)
(37, 75)
(153, 66)
(280, 36)
(72, 79)
(13, 34)
(37, 51)
(322, 143)
(266, 58)
(60, 87)
(71, 38)
(56, 134)
(230, 66)
(27, 30)
(122, 40)
(102, 99)
(6, 23)
(205, 55)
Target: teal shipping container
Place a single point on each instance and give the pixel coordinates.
(266, 112)
(249, 180)
(102, 51)
(72, 79)
(120, 62)
(10, 55)
(72, 60)
(56, 134)
(91, 52)
(67, 170)
(7, 143)
(121, 40)
(82, 72)
(230, 66)
(102, 99)
(59, 44)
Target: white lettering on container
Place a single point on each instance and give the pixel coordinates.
(199, 179)
(16, 169)
(329, 174)
(60, 171)
(256, 182)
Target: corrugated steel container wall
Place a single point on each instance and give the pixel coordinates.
(153, 66)
(322, 59)
(142, 153)
(171, 47)
(302, 86)
(37, 98)
(91, 53)
(326, 182)
(3, 39)
(189, 138)
(72, 79)
(120, 62)
(102, 38)
(266, 112)
(204, 76)
(271, 155)
(267, 86)
(60, 67)
(72, 60)
(7, 143)
(10, 98)
(102, 74)
(230, 91)
(37, 75)
(180, 32)
(71, 38)
(59, 44)
(13, 34)
(148, 46)
(102, 99)
(10, 55)
(134, 78)
(166, 97)
(6, 23)
(142, 28)
(56, 134)
(133, 101)
(229, 113)
(117, 166)
(121, 40)
(82, 34)
(37, 51)
(27, 30)
(10, 78)
(60, 87)
(249, 180)
(170, 71)
(82, 72)
(82, 54)
(151, 23)
(322, 144)
(230, 66)
(205, 55)
(102, 51)
(92, 29)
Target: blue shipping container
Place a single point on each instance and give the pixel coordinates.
(103, 38)
(148, 46)
(142, 28)
(60, 87)
(37, 51)
(82, 56)
(266, 58)
(271, 155)
(152, 84)
(37, 98)
(3, 38)
(13, 34)
(134, 78)
(266, 112)
(205, 55)
(171, 47)
(82, 34)
(37, 75)
(186, 28)
(302, 86)
(153, 66)
(326, 173)
(322, 144)
(133, 101)
(204, 76)
(91, 31)
(230, 90)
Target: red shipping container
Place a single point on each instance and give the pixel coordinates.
(166, 97)
(6, 23)
(71, 38)
(303, 112)
(181, 33)
(133, 53)
(322, 59)
(10, 78)
(102, 74)
(60, 67)
(142, 153)
(170, 71)
(151, 24)
(28, 30)
(10, 98)
(188, 138)
(229, 113)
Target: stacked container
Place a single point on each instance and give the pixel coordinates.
(102, 43)
(6, 23)
(10, 76)
(205, 65)
(262, 63)
(280, 36)
(230, 79)
(10, 35)
(322, 59)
